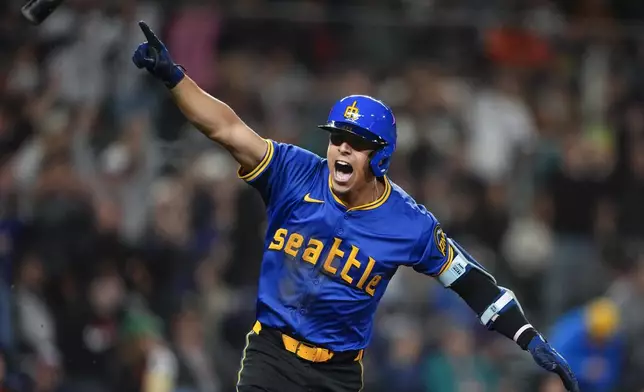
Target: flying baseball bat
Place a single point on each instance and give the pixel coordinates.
(36, 11)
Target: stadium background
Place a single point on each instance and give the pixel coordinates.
(521, 126)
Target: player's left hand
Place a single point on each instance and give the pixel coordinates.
(548, 358)
(155, 57)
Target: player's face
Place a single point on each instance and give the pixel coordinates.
(348, 158)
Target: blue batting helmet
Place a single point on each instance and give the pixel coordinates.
(370, 119)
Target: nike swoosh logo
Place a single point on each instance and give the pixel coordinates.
(309, 199)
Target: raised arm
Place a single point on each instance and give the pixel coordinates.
(218, 122)
(215, 119)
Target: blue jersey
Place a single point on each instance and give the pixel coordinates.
(325, 266)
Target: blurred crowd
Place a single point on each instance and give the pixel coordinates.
(130, 251)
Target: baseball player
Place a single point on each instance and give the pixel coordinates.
(338, 229)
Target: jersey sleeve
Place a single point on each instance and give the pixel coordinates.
(284, 169)
(436, 254)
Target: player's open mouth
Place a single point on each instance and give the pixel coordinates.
(343, 171)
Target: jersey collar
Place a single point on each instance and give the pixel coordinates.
(369, 206)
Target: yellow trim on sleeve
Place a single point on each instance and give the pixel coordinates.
(259, 169)
(369, 206)
(448, 262)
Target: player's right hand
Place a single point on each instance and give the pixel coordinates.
(154, 57)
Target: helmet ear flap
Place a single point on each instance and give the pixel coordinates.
(381, 160)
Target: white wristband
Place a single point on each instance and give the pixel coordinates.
(520, 331)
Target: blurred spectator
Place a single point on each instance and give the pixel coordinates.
(36, 326)
(591, 340)
(457, 366)
(131, 95)
(196, 369)
(577, 190)
(627, 291)
(89, 338)
(528, 248)
(404, 367)
(514, 45)
(148, 365)
(501, 128)
(62, 216)
(166, 249)
(194, 31)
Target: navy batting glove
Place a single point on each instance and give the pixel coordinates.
(154, 56)
(548, 358)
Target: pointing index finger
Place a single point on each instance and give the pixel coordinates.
(149, 35)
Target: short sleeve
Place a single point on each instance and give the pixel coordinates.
(284, 169)
(436, 253)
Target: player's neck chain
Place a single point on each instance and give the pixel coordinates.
(375, 190)
(375, 195)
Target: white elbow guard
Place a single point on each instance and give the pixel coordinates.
(461, 263)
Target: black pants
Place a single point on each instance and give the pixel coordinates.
(268, 367)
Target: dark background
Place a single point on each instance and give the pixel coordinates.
(521, 126)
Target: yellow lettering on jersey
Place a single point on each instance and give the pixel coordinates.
(335, 251)
(278, 239)
(371, 287)
(294, 244)
(291, 245)
(366, 273)
(313, 251)
(351, 262)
